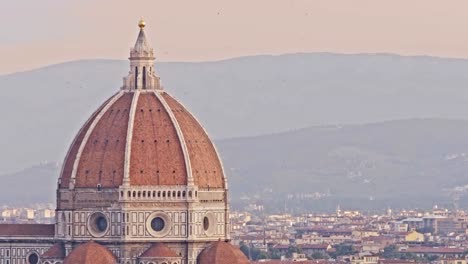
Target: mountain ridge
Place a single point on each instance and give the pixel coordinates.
(44, 109)
(402, 163)
(389, 54)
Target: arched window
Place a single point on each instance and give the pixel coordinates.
(144, 194)
(144, 77)
(154, 194)
(139, 194)
(159, 194)
(183, 194)
(164, 194)
(136, 77)
(178, 194)
(129, 194)
(190, 194)
(134, 194)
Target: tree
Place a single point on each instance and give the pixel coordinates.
(343, 249)
(318, 255)
(245, 249)
(425, 230)
(293, 249)
(391, 252)
(252, 252)
(274, 254)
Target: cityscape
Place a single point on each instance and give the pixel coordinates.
(263, 132)
(438, 235)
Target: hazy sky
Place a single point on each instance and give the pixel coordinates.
(35, 33)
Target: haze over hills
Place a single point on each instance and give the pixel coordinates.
(407, 163)
(43, 109)
(264, 95)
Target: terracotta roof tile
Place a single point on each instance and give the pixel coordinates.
(156, 152)
(73, 151)
(435, 250)
(103, 157)
(313, 246)
(156, 157)
(222, 253)
(39, 230)
(57, 251)
(159, 250)
(277, 261)
(90, 253)
(206, 167)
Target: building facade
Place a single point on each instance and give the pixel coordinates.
(141, 183)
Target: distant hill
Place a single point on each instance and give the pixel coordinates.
(408, 163)
(36, 184)
(43, 109)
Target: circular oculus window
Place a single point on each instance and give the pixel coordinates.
(206, 223)
(101, 223)
(158, 224)
(209, 224)
(33, 258)
(98, 224)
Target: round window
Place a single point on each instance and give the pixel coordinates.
(101, 223)
(206, 223)
(209, 223)
(33, 258)
(157, 224)
(98, 224)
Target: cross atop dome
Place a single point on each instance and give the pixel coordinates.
(141, 75)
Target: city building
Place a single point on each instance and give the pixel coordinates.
(414, 236)
(141, 183)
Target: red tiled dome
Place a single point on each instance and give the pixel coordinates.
(147, 135)
(57, 251)
(90, 253)
(159, 250)
(222, 253)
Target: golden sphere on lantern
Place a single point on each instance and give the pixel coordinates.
(141, 23)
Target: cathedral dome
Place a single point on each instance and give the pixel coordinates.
(90, 253)
(222, 253)
(142, 136)
(143, 177)
(159, 250)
